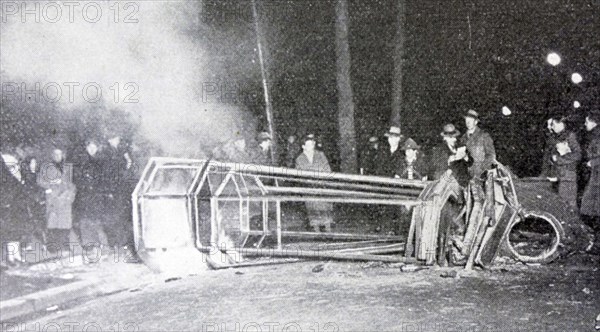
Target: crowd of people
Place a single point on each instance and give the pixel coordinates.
(567, 161)
(50, 206)
(48, 202)
(469, 155)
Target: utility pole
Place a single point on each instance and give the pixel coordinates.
(265, 80)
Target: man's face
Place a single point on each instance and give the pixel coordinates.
(589, 124)
(92, 148)
(450, 140)
(265, 144)
(57, 156)
(558, 127)
(393, 140)
(309, 146)
(291, 139)
(410, 153)
(471, 123)
(114, 141)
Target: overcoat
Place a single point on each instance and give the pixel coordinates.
(319, 164)
(59, 204)
(480, 147)
(590, 203)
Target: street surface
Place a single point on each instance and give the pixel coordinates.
(347, 297)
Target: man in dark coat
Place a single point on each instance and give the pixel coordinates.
(13, 213)
(548, 169)
(566, 157)
(482, 154)
(368, 163)
(590, 203)
(448, 156)
(36, 200)
(480, 147)
(292, 151)
(389, 160)
(90, 205)
(413, 166)
(390, 157)
(117, 177)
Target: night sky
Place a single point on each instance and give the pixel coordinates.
(458, 55)
(448, 67)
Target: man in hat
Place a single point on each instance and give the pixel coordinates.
(262, 152)
(368, 163)
(412, 166)
(389, 158)
(311, 159)
(480, 147)
(387, 163)
(449, 155)
(566, 157)
(482, 156)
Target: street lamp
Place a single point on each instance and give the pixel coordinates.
(576, 78)
(553, 59)
(506, 111)
(576, 104)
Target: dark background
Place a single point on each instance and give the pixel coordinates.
(447, 69)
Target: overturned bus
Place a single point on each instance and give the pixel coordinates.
(193, 213)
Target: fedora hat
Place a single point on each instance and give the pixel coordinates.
(472, 114)
(410, 144)
(309, 137)
(373, 139)
(394, 131)
(450, 131)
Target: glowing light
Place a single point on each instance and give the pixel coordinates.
(576, 78)
(576, 104)
(553, 59)
(506, 111)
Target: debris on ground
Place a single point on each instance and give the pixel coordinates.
(450, 274)
(412, 268)
(318, 268)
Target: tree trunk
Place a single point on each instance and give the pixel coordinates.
(347, 140)
(396, 116)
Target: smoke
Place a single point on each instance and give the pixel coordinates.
(147, 58)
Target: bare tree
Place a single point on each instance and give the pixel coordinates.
(347, 140)
(396, 116)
